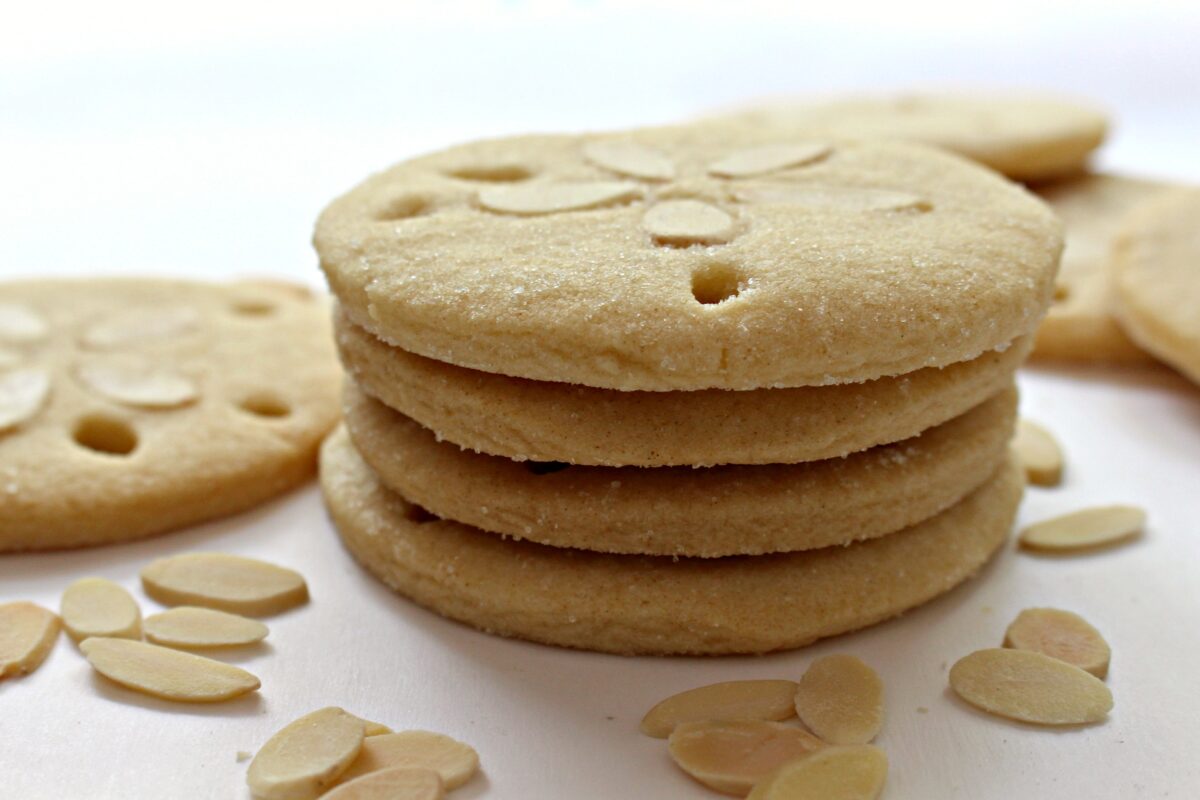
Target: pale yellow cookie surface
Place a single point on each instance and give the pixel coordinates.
(1027, 137)
(1080, 325)
(1157, 265)
(546, 421)
(133, 407)
(642, 604)
(717, 511)
(762, 261)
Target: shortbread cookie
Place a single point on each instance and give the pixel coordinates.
(132, 407)
(547, 421)
(1026, 137)
(691, 258)
(1157, 266)
(645, 604)
(1080, 325)
(718, 511)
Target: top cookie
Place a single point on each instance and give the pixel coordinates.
(1026, 137)
(691, 258)
(1157, 271)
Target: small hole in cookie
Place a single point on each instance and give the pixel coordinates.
(503, 173)
(404, 207)
(105, 434)
(418, 514)
(545, 467)
(265, 404)
(252, 307)
(715, 283)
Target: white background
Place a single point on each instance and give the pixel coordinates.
(203, 140)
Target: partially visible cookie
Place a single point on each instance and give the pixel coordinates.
(699, 257)
(1080, 325)
(1157, 267)
(717, 511)
(661, 605)
(1027, 137)
(548, 421)
(130, 407)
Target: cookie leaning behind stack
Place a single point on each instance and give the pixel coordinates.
(738, 390)
(130, 407)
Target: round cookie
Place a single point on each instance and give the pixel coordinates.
(1080, 325)
(1026, 137)
(130, 407)
(1157, 268)
(546, 421)
(691, 258)
(719, 511)
(649, 604)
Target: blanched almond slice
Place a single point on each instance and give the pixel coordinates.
(307, 756)
(768, 158)
(142, 326)
(848, 772)
(21, 324)
(398, 783)
(628, 158)
(763, 699)
(224, 582)
(374, 728)
(841, 198)
(1091, 527)
(169, 674)
(1062, 635)
(1040, 454)
(1030, 687)
(27, 634)
(551, 198)
(8, 359)
(138, 386)
(684, 222)
(99, 607)
(731, 757)
(192, 627)
(840, 699)
(23, 392)
(454, 761)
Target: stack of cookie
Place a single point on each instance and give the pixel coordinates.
(687, 390)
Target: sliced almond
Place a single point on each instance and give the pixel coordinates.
(762, 699)
(686, 222)
(1040, 454)
(141, 387)
(21, 324)
(227, 583)
(140, 327)
(769, 158)
(307, 756)
(840, 699)
(629, 158)
(847, 772)
(454, 761)
(1091, 527)
(169, 674)
(552, 198)
(731, 757)
(1031, 687)
(23, 392)
(838, 198)
(192, 627)
(27, 634)
(397, 783)
(99, 607)
(374, 728)
(1062, 635)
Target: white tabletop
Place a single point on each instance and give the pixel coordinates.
(132, 140)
